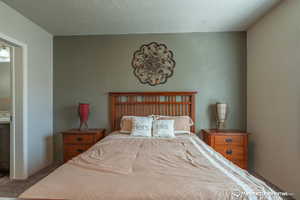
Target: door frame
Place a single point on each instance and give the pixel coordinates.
(19, 109)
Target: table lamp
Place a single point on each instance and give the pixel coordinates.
(221, 115)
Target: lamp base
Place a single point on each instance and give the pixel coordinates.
(220, 125)
(83, 126)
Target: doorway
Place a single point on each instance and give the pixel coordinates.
(14, 115)
(5, 107)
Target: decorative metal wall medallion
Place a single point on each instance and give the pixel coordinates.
(153, 64)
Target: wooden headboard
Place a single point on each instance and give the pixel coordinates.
(148, 103)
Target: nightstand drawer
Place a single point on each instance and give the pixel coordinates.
(79, 139)
(232, 144)
(74, 150)
(232, 139)
(234, 153)
(241, 163)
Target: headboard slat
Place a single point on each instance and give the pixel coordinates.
(148, 103)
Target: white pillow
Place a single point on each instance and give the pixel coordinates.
(141, 126)
(182, 132)
(163, 128)
(182, 124)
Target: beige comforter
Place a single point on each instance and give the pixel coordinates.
(123, 167)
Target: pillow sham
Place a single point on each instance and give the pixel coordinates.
(182, 124)
(142, 126)
(163, 128)
(126, 124)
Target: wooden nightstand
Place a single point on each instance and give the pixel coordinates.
(232, 144)
(76, 142)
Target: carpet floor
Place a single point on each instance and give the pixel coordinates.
(13, 188)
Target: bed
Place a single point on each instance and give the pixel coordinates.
(125, 167)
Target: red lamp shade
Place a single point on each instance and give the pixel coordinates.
(84, 112)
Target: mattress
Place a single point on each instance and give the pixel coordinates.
(125, 167)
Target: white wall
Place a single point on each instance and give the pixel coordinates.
(39, 84)
(273, 110)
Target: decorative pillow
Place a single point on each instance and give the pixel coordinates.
(163, 128)
(142, 126)
(182, 124)
(126, 124)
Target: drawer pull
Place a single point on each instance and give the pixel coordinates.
(80, 150)
(228, 140)
(79, 139)
(229, 152)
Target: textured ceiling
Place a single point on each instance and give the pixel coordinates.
(85, 17)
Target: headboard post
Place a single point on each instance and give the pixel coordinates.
(149, 103)
(193, 110)
(112, 111)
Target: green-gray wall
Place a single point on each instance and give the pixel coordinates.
(273, 98)
(86, 68)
